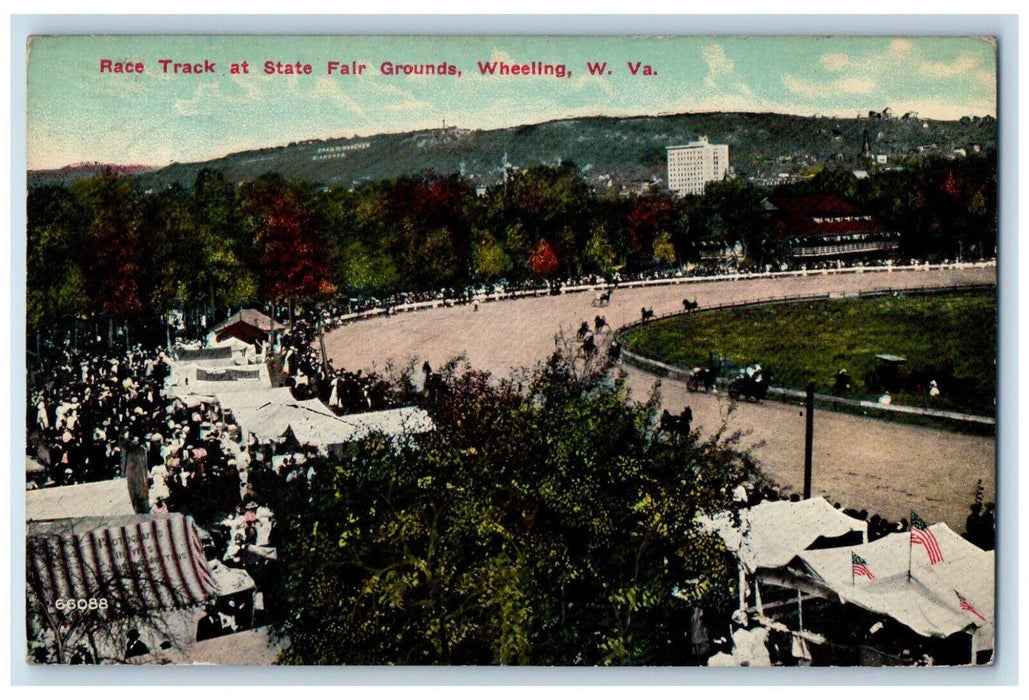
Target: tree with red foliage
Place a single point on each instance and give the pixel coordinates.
(293, 258)
(112, 248)
(542, 258)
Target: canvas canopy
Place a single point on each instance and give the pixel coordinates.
(93, 499)
(203, 354)
(393, 423)
(772, 533)
(236, 400)
(134, 562)
(928, 601)
(215, 378)
(312, 423)
(250, 317)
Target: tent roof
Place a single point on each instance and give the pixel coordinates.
(147, 562)
(312, 423)
(251, 317)
(928, 602)
(255, 398)
(94, 499)
(393, 423)
(188, 378)
(773, 532)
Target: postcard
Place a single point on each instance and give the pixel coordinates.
(546, 351)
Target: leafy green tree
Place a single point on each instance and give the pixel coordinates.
(601, 253)
(110, 241)
(544, 521)
(54, 279)
(664, 250)
(227, 273)
(488, 256)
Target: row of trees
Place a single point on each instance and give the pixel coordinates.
(100, 248)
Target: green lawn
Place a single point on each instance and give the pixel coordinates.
(811, 341)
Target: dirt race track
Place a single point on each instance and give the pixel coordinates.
(884, 467)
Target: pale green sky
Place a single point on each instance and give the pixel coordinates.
(76, 113)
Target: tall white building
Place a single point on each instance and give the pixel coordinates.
(696, 163)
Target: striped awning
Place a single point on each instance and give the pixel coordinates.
(134, 563)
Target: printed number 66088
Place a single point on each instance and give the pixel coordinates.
(81, 604)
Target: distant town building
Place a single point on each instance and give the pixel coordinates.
(826, 226)
(695, 164)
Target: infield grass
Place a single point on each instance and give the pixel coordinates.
(811, 341)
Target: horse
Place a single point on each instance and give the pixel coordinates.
(701, 377)
(677, 426)
(841, 387)
(589, 346)
(433, 381)
(646, 313)
(750, 385)
(614, 351)
(602, 298)
(600, 322)
(583, 330)
(690, 306)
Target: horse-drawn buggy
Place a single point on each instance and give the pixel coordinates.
(706, 378)
(888, 375)
(751, 383)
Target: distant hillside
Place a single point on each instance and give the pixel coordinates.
(70, 173)
(609, 150)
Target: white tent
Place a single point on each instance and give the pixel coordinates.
(215, 378)
(236, 400)
(395, 422)
(928, 602)
(312, 423)
(773, 532)
(93, 499)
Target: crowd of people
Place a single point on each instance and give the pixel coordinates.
(335, 313)
(88, 406)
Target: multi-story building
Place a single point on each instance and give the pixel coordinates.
(695, 164)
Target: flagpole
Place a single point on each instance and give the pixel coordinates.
(910, 545)
(852, 581)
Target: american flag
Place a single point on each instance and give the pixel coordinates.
(920, 535)
(965, 605)
(861, 567)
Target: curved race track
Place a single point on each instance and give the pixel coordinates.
(885, 467)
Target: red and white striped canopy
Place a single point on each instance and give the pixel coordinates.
(135, 563)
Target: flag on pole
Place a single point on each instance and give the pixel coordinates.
(965, 605)
(920, 535)
(860, 567)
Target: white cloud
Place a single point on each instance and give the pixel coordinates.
(717, 62)
(854, 85)
(201, 103)
(835, 61)
(330, 89)
(965, 63)
(900, 46)
(720, 75)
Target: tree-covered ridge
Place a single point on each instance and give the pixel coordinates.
(546, 521)
(103, 249)
(609, 149)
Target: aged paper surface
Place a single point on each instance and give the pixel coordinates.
(547, 351)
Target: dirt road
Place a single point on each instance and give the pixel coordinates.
(884, 467)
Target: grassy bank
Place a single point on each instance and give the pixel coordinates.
(811, 341)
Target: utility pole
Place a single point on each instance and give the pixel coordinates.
(809, 435)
